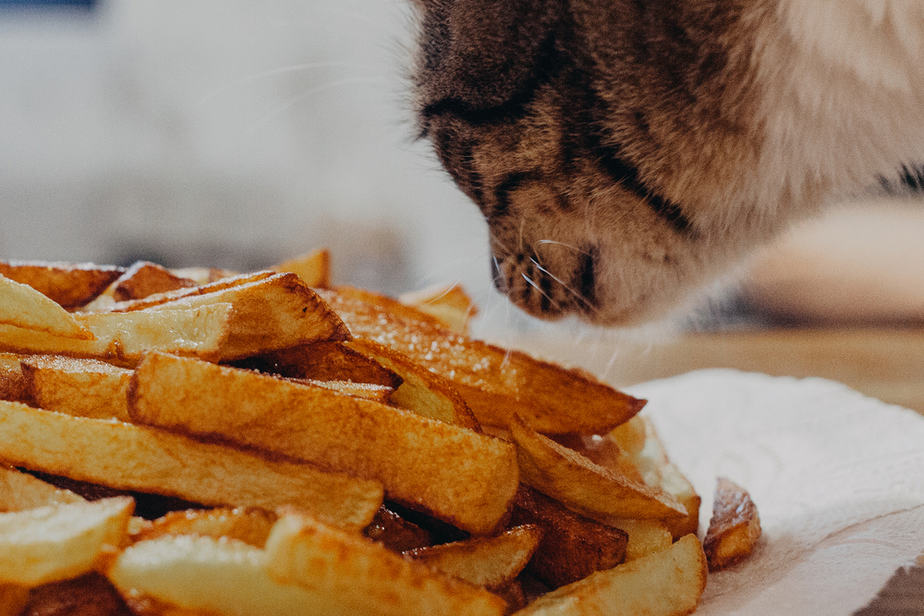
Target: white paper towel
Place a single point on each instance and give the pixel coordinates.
(838, 479)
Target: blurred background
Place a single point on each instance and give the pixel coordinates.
(236, 134)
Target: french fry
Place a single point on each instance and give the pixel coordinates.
(369, 391)
(248, 524)
(130, 457)
(491, 562)
(387, 304)
(422, 391)
(69, 284)
(657, 470)
(125, 337)
(57, 542)
(665, 583)
(13, 599)
(87, 595)
(495, 383)
(312, 267)
(20, 491)
(455, 474)
(12, 382)
(395, 532)
(448, 303)
(572, 546)
(734, 529)
(588, 488)
(24, 307)
(322, 361)
(192, 574)
(77, 386)
(270, 311)
(144, 278)
(203, 275)
(645, 536)
(365, 576)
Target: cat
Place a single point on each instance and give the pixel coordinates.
(626, 152)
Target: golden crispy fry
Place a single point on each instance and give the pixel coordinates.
(69, 284)
(585, 487)
(192, 574)
(645, 536)
(455, 474)
(387, 304)
(12, 383)
(203, 275)
(274, 311)
(572, 546)
(665, 583)
(13, 599)
(20, 491)
(366, 576)
(422, 391)
(57, 542)
(124, 337)
(734, 528)
(324, 361)
(491, 562)
(312, 267)
(396, 533)
(496, 383)
(125, 456)
(248, 524)
(77, 386)
(657, 470)
(24, 307)
(448, 303)
(88, 595)
(369, 391)
(631, 436)
(143, 279)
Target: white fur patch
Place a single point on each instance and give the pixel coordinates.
(842, 90)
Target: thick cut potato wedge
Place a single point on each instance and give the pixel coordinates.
(572, 546)
(248, 524)
(366, 577)
(87, 595)
(586, 487)
(125, 337)
(387, 304)
(369, 391)
(496, 383)
(734, 529)
(312, 267)
(491, 562)
(666, 583)
(422, 391)
(270, 311)
(143, 279)
(645, 536)
(24, 307)
(77, 386)
(324, 361)
(20, 491)
(396, 533)
(13, 599)
(194, 574)
(12, 382)
(455, 474)
(448, 303)
(657, 470)
(130, 457)
(69, 284)
(57, 542)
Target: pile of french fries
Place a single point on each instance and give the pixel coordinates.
(201, 442)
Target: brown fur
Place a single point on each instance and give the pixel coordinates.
(612, 146)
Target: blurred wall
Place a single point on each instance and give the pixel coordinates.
(227, 133)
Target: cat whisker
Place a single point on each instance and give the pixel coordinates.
(577, 295)
(533, 284)
(565, 245)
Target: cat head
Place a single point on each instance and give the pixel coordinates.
(579, 145)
